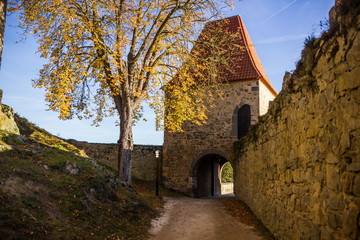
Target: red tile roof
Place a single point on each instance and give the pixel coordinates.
(247, 63)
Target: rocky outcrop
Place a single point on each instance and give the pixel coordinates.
(299, 168)
(7, 122)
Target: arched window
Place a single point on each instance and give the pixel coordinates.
(244, 118)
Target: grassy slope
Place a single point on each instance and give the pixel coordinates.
(40, 200)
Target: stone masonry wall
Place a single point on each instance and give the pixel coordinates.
(265, 97)
(299, 169)
(143, 157)
(183, 149)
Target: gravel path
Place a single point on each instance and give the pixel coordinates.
(199, 219)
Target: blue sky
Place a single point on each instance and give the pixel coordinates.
(277, 28)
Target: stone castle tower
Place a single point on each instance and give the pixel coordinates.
(192, 159)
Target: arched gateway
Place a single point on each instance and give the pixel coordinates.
(247, 86)
(206, 175)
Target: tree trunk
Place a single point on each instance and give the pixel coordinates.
(125, 142)
(3, 4)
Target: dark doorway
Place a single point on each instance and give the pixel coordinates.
(244, 120)
(207, 175)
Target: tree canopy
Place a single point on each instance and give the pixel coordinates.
(107, 56)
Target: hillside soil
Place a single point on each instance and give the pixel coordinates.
(211, 219)
(49, 189)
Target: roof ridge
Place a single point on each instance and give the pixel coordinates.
(255, 60)
(248, 64)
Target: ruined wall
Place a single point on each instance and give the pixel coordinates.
(143, 157)
(7, 122)
(183, 149)
(299, 169)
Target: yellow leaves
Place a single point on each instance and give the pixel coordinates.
(184, 103)
(98, 51)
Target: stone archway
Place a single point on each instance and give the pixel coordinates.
(206, 175)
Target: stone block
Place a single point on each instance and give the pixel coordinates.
(346, 82)
(344, 142)
(332, 177)
(325, 234)
(288, 177)
(319, 176)
(315, 193)
(334, 220)
(313, 130)
(292, 201)
(351, 220)
(353, 167)
(311, 231)
(331, 158)
(336, 202)
(316, 214)
(309, 175)
(356, 186)
(298, 175)
(346, 182)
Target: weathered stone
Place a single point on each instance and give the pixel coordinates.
(287, 80)
(288, 176)
(356, 186)
(7, 122)
(319, 176)
(345, 82)
(351, 221)
(332, 177)
(309, 175)
(331, 158)
(71, 168)
(316, 214)
(312, 232)
(336, 202)
(298, 175)
(326, 235)
(334, 220)
(346, 182)
(353, 167)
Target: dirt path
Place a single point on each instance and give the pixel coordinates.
(199, 219)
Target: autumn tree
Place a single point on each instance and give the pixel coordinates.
(3, 4)
(227, 173)
(107, 56)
